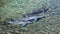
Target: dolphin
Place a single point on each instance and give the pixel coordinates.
(36, 11)
(26, 20)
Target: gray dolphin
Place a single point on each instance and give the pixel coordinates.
(26, 20)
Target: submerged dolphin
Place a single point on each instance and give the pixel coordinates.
(26, 20)
(32, 18)
(22, 23)
(37, 11)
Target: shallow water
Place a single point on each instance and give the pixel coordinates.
(15, 8)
